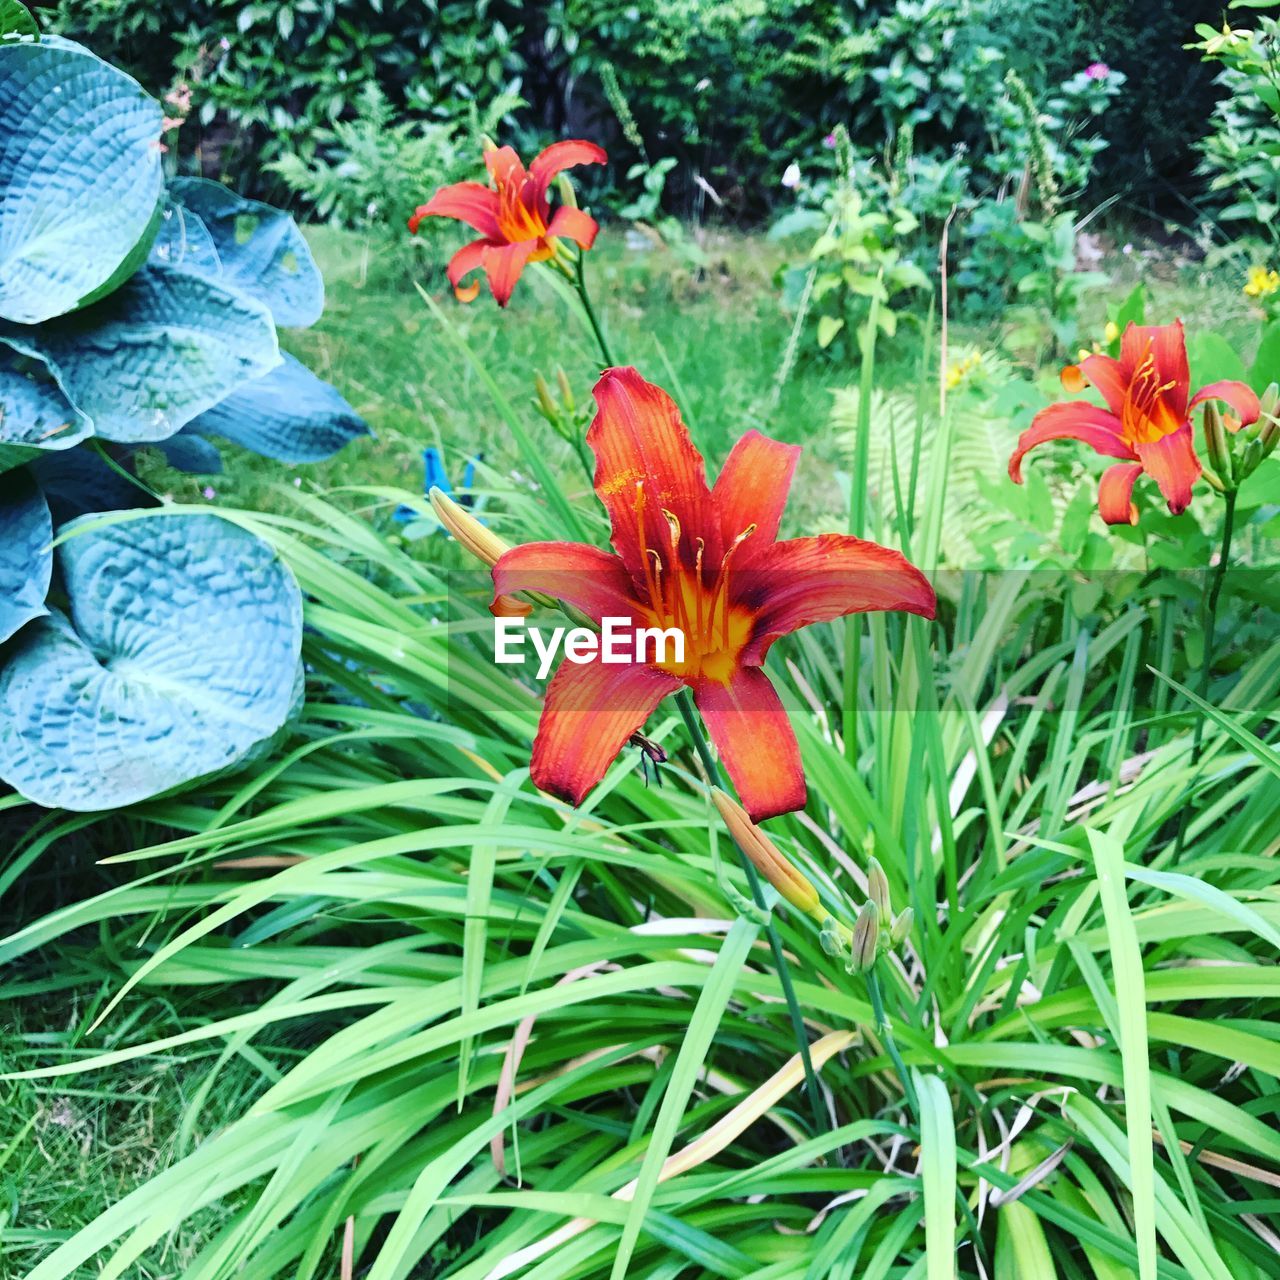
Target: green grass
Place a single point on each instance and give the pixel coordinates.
(252, 1062)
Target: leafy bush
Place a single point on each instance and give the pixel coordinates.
(1242, 149)
(268, 77)
(364, 173)
(132, 314)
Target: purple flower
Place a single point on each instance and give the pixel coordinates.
(209, 493)
(1097, 71)
(829, 142)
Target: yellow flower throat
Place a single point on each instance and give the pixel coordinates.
(715, 630)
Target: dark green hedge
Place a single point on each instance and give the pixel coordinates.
(732, 88)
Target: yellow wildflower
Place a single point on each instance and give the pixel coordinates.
(1261, 282)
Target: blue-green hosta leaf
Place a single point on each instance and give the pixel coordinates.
(79, 481)
(35, 414)
(80, 179)
(191, 453)
(180, 656)
(25, 560)
(290, 415)
(261, 250)
(159, 351)
(184, 241)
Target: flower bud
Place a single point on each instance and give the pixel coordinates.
(1248, 461)
(901, 928)
(791, 883)
(1270, 400)
(546, 405)
(1269, 434)
(566, 391)
(567, 194)
(878, 887)
(483, 543)
(1215, 435)
(866, 938)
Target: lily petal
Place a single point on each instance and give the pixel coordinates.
(1114, 493)
(573, 224)
(1167, 345)
(588, 578)
(591, 710)
(752, 489)
(1075, 420)
(646, 464)
(503, 264)
(564, 155)
(469, 202)
(1108, 375)
(504, 166)
(755, 739)
(466, 260)
(1241, 398)
(800, 581)
(1172, 463)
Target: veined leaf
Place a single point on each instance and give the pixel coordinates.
(35, 414)
(80, 177)
(260, 248)
(25, 560)
(158, 352)
(288, 414)
(179, 656)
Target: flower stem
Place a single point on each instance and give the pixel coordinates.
(684, 701)
(1209, 613)
(580, 284)
(885, 1031)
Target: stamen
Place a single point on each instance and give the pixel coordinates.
(722, 584)
(652, 582)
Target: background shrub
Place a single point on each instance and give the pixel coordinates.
(732, 90)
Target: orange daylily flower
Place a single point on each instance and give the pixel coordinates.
(513, 216)
(706, 562)
(1147, 421)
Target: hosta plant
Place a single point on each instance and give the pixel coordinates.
(136, 657)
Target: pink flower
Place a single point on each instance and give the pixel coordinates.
(1097, 71)
(209, 493)
(829, 141)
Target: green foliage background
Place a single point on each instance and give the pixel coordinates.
(733, 88)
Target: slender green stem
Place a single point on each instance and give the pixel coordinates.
(684, 701)
(580, 283)
(885, 1031)
(1209, 614)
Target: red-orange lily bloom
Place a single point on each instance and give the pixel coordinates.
(1147, 420)
(513, 216)
(707, 562)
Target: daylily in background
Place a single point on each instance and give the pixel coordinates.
(1147, 421)
(513, 216)
(707, 562)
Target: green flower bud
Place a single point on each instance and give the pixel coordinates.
(878, 887)
(546, 405)
(1215, 436)
(866, 938)
(1248, 461)
(901, 928)
(567, 193)
(566, 391)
